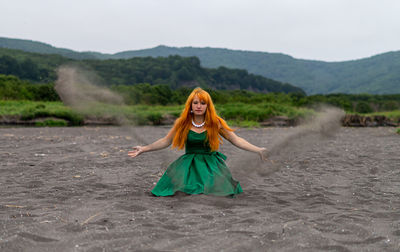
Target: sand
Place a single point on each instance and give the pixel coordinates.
(76, 189)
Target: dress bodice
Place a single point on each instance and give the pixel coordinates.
(196, 143)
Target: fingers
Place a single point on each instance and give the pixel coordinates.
(264, 151)
(135, 152)
(263, 154)
(263, 158)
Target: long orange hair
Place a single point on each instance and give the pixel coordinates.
(213, 123)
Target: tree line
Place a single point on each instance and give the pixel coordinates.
(174, 71)
(13, 88)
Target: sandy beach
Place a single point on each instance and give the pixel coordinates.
(76, 189)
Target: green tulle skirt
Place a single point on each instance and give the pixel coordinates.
(198, 171)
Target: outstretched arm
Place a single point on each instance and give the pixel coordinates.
(157, 145)
(242, 143)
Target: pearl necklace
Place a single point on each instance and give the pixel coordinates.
(198, 125)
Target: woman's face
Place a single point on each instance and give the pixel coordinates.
(199, 107)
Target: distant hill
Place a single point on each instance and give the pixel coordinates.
(39, 47)
(174, 71)
(375, 75)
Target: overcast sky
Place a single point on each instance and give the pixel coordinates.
(329, 30)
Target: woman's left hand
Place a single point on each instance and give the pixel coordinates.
(263, 154)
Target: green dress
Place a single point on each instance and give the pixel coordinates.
(199, 170)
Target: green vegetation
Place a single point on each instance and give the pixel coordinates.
(28, 110)
(375, 75)
(52, 123)
(135, 114)
(42, 111)
(12, 88)
(259, 112)
(151, 104)
(155, 88)
(237, 114)
(243, 115)
(38, 47)
(398, 131)
(173, 71)
(394, 115)
(61, 115)
(355, 103)
(30, 66)
(243, 124)
(19, 107)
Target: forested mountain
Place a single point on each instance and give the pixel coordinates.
(39, 47)
(174, 71)
(376, 75)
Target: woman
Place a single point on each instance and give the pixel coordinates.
(202, 168)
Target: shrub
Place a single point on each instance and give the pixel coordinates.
(390, 106)
(363, 107)
(40, 111)
(73, 118)
(154, 118)
(140, 119)
(52, 123)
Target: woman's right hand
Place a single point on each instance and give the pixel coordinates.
(137, 150)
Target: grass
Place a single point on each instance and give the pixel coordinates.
(29, 110)
(41, 111)
(260, 112)
(17, 107)
(57, 114)
(243, 124)
(138, 115)
(398, 131)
